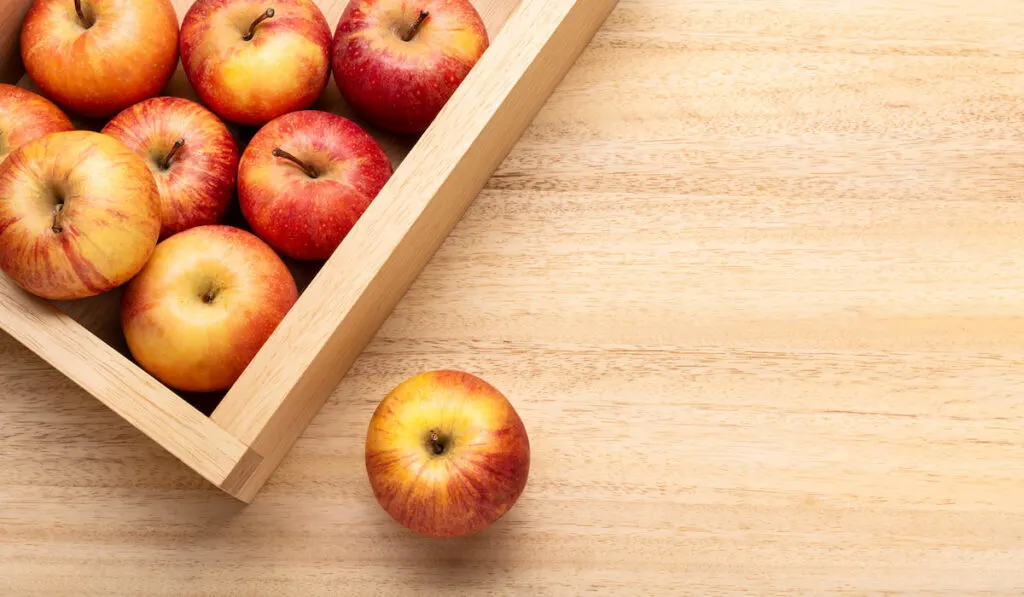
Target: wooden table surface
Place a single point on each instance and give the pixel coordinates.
(753, 280)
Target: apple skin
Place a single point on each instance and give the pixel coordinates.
(25, 116)
(199, 183)
(302, 217)
(106, 228)
(397, 85)
(283, 68)
(128, 53)
(204, 305)
(482, 466)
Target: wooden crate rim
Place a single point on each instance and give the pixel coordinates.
(261, 416)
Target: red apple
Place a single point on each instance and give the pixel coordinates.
(204, 305)
(25, 116)
(97, 57)
(192, 155)
(397, 62)
(253, 60)
(447, 454)
(306, 178)
(79, 215)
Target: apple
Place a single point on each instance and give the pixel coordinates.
(251, 61)
(204, 305)
(25, 116)
(446, 453)
(306, 178)
(97, 57)
(190, 152)
(398, 62)
(79, 215)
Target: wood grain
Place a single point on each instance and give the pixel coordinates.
(751, 279)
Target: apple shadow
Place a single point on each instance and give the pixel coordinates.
(480, 560)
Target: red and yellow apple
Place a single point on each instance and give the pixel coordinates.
(192, 156)
(97, 57)
(25, 116)
(398, 62)
(306, 178)
(446, 453)
(251, 61)
(79, 215)
(204, 305)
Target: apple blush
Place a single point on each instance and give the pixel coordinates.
(79, 215)
(25, 116)
(306, 178)
(446, 453)
(97, 57)
(191, 153)
(203, 306)
(251, 61)
(398, 62)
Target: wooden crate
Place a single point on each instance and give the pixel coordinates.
(345, 299)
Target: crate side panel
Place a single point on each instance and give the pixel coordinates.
(120, 384)
(13, 12)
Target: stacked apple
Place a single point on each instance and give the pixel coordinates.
(138, 199)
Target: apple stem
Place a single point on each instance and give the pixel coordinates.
(411, 33)
(170, 155)
(81, 14)
(252, 28)
(58, 211)
(436, 445)
(309, 170)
